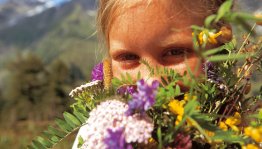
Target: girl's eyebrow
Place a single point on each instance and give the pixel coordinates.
(175, 39)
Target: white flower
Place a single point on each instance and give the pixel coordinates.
(91, 86)
(111, 115)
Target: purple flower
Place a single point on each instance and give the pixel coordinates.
(144, 98)
(127, 89)
(116, 140)
(212, 72)
(97, 72)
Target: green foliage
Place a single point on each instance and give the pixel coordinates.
(32, 87)
(53, 135)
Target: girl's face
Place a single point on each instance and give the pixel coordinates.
(158, 33)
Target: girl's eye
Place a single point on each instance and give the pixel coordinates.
(127, 57)
(175, 52)
(127, 60)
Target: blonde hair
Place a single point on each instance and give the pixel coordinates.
(109, 9)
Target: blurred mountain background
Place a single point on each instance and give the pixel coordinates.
(47, 48)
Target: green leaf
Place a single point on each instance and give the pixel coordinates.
(71, 120)
(56, 132)
(190, 107)
(247, 16)
(44, 142)
(116, 82)
(223, 9)
(129, 78)
(38, 145)
(177, 90)
(80, 116)
(159, 136)
(209, 20)
(80, 141)
(48, 135)
(227, 136)
(138, 77)
(213, 51)
(163, 80)
(63, 125)
(224, 57)
(55, 139)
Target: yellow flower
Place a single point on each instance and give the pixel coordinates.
(210, 133)
(151, 140)
(178, 119)
(186, 97)
(254, 133)
(177, 107)
(250, 146)
(223, 126)
(233, 121)
(208, 37)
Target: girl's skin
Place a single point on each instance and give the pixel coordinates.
(159, 33)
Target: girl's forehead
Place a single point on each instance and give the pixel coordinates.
(156, 11)
(162, 13)
(143, 24)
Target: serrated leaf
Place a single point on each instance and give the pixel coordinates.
(63, 125)
(223, 9)
(71, 120)
(55, 139)
(116, 82)
(80, 116)
(177, 90)
(44, 142)
(129, 78)
(47, 134)
(56, 132)
(163, 80)
(123, 79)
(38, 145)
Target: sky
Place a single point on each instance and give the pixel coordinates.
(1, 1)
(57, 2)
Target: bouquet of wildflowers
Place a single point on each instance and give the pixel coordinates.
(216, 111)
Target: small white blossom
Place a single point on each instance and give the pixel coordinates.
(86, 87)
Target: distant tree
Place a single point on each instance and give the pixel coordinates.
(34, 91)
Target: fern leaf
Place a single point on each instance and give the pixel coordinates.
(56, 132)
(38, 145)
(71, 120)
(63, 125)
(80, 116)
(44, 142)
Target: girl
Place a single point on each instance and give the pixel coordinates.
(157, 31)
